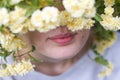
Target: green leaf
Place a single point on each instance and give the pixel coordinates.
(101, 60)
(6, 54)
(1, 28)
(30, 6)
(7, 3)
(99, 31)
(98, 18)
(4, 66)
(29, 12)
(36, 2)
(93, 47)
(1, 54)
(14, 55)
(99, 6)
(50, 2)
(34, 59)
(117, 1)
(1, 3)
(33, 48)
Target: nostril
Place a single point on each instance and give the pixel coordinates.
(64, 29)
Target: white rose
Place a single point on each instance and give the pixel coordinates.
(17, 16)
(16, 28)
(11, 70)
(88, 4)
(37, 19)
(109, 2)
(89, 13)
(74, 7)
(29, 25)
(12, 2)
(20, 69)
(77, 7)
(23, 67)
(28, 65)
(50, 14)
(110, 22)
(4, 72)
(51, 17)
(109, 10)
(46, 19)
(4, 16)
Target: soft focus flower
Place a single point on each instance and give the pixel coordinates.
(27, 65)
(6, 38)
(110, 22)
(109, 10)
(16, 44)
(64, 18)
(29, 25)
(20, 68)
(10, 42)
(4, 72)
(51, 17)
(89, 23)
(88, 4)
(17, 17)
(77, 7)
(50, 14)
(17, 28)
(37, 19)
(109, 2)
(4, 16)
(12, 2)
(10, 69)
(23, 67)
(46, 19)
(76, 24)
(107, 71)
(74, 7)
(104, 44)
(90, 13)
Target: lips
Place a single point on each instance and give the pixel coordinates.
(63, 39)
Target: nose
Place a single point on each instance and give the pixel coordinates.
(63, 29)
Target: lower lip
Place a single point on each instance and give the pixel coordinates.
(63, 41)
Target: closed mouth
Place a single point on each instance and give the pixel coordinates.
(63, 39)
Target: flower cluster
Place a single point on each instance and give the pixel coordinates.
(18, 17)
(109, 22)
(10, 42)
(101, 45)
(44, 20)
(20, 68)
(107, 71)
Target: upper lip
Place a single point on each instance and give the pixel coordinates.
(60, 36)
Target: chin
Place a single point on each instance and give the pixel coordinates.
(60, 58)
(63, 53)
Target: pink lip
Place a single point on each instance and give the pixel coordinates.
(63, 39)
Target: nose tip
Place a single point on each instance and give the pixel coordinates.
(63, 29)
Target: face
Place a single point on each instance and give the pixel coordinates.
(58, 44)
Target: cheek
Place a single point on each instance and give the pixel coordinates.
(63, 52)
(38, 40)
(82, 38)
(46, 48)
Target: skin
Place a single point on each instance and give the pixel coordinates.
(57, 58)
